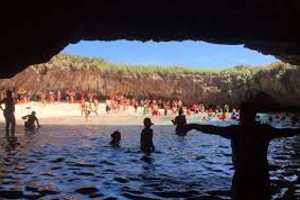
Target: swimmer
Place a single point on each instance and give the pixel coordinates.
(180, 122)
(146, 137)
(115, 138)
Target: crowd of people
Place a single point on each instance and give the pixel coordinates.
(114, 103)
(249, 138)
(89, 102)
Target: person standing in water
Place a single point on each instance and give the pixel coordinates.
(146, 141)
(249, 142)
(9, 113)
(29, 124)
(180, 122)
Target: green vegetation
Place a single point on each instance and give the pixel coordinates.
(240, 72)
(278, 80)
(86, 63)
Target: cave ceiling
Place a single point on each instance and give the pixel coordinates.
(32, 33)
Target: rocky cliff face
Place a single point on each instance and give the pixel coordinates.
(276, 85)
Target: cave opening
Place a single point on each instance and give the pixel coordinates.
(195, 71)
(187, 53)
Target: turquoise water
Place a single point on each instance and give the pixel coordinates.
(76, 162)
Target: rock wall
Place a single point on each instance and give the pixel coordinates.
(277, 86)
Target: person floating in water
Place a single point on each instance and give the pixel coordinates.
(31, 119)
(249, 143)
(147, 137)
(180, 122)
(115, 138)
(9, 113)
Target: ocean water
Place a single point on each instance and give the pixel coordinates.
(76, 162)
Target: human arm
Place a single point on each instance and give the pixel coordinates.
(226, 132)
(174, 121)
(152, 145)
(184, 120)
(25, 117)
(141, 139)
(1, 102)
(284, 132)
(37, 122)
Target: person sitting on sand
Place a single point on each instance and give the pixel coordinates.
(29, 124)
(249, 143)
(146, 137)
(180, 122)
(115, 138)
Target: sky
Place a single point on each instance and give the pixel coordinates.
(184, 54)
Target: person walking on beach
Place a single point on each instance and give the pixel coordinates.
(146, 141)
(86, 109)
(9, 113)
(180, 122)
(249, 143)
(29, 124)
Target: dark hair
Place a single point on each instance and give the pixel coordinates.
(147, 121)
(116, 135)
(249, 107)
(180, 111)
(248, 111)
(8, 93)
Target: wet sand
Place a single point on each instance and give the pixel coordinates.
(68, 158)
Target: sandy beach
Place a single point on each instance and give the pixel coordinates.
(70, 114)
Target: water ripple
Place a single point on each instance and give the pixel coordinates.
(76, 162)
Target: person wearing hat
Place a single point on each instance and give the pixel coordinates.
(29, 124)
(115, 138)
(146, 137)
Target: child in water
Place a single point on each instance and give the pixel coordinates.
(146, 137)
(115, 138)
(29, 124)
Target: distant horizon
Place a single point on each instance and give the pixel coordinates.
(188, 54)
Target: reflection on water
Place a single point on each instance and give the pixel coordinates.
(76, 162)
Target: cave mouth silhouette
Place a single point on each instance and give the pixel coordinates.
(32, 35)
